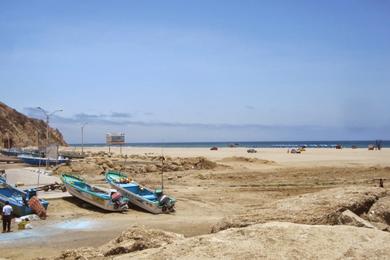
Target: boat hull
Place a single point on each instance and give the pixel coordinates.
(39, 161)
(151, 201)
(15, 198)
(96, 201)
(138, 200)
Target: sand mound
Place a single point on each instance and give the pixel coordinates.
(277, 240)
(139, 238)
(81, 253)
(94, 166)
(380, 211)
(322, 207)
(133, 239)
(246, 160)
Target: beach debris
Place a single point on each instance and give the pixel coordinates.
(19, 184)
(347, 217)
(31, 217)
(251, 151)
(37, 207)
(339, 146)
(24, 224)
(214, 148)
(53, 186)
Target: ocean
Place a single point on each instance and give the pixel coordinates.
(255, 144)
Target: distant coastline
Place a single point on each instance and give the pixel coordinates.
(255, 144)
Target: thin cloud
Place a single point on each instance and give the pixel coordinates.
(122, 119)
(83, 116)
(121, 115)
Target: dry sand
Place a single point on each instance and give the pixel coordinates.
(242, 182)
(312, 156)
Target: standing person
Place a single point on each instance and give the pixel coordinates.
(7, 216)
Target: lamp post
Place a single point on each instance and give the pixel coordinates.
(48, 114)
(82, 137)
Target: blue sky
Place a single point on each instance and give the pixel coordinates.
(200, 70)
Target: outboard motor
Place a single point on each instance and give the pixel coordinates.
(116, 197)
(163, 200)
(166, 203)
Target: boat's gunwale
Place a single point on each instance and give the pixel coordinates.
(32, 159)
(105, 196)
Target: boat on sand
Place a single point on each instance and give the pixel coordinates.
(23, 202)
(106, 199)
(42, 161)
(153, 201)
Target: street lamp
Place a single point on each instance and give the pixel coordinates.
(82, 137)
(47, 114)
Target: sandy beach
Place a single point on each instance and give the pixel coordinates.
(239, 182)
(312, 156)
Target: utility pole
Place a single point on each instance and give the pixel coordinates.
(162, 173)
(47, 114)
(82, 137)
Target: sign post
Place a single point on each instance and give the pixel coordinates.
(115, 139)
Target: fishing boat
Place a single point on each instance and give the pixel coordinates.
(153, 201)
(41, 161)
(18, 199)
(109, 200)
(11, 152)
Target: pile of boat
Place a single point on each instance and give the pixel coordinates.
(124, 192)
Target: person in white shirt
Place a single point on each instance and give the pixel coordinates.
(7, 216)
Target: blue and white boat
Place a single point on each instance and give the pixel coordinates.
(18, 199)
(109, 200)
(11, 151)
(41, 161)
(153, 201)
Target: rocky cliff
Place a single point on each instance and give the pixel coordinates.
(21, 130)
